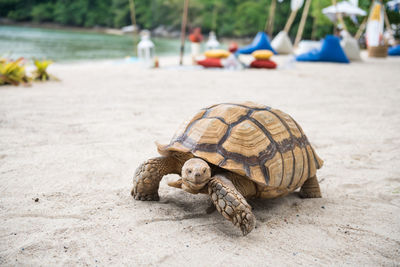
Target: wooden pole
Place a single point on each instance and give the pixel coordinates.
(361, 28)
(364, 23)
(302, 23)
(133, 13)
(133, 21)
(269, 26)
(289, 22)
(339, 17)
(388, 27)
(341, 20)
(183, 30)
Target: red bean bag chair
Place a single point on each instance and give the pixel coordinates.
(210, 63)
(263, 64)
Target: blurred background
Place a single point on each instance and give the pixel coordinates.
(228, 18)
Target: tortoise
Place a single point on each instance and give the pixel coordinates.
(234, 152)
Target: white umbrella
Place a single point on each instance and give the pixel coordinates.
(296, 4)
(394, 5)
(344, 8)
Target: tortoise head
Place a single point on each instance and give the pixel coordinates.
(196, 173)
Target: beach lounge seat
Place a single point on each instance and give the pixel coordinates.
(307, 45)
(263, 64)
(350, 46)
(394, 50)
(330, 51)
(260, 42)
(282, 44)
(217, 53)
(262, 54)
(210, 63)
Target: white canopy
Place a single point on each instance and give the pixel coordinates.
(393, 5)
(342, 7)
(294, 4)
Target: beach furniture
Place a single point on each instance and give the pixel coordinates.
(261, 41)
(394, 51)
(213, 58)
(262, 54)
(282, 43)
(350, 46)
(217, 53)
(330, 51)
(307, 45)
(210, 63)
(262, 60)
(263, 64)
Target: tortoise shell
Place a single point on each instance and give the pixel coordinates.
(263, 144)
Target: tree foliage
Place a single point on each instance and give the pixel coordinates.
(226, 17)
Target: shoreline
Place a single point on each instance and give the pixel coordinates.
(56, 26)
(110, 31)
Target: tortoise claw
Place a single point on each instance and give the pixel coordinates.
(247, 225)
(144, 197)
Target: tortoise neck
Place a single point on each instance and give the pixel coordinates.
(180, 159)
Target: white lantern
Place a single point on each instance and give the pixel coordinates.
(145, 49)
(212, 42)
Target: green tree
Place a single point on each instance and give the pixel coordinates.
(226, 17)
(43, 12)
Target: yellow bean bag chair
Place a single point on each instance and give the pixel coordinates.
(217, 53)
(262, 54)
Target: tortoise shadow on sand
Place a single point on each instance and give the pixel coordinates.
(265, 210)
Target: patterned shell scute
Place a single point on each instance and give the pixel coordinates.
(263, 144)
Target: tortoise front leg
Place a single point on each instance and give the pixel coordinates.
(149, 174)
(231, 204)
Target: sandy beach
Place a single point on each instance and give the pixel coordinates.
(69, 149)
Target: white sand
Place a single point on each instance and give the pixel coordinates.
(75, 145)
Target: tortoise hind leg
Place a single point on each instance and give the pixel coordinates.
(149, 174)
(310, 188)
(231, 204)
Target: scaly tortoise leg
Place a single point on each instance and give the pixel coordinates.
(310, 188)
(148, 176)
(231, 204)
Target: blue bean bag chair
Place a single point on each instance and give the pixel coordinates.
(261, 41)
(394, 50)
(330, 51)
